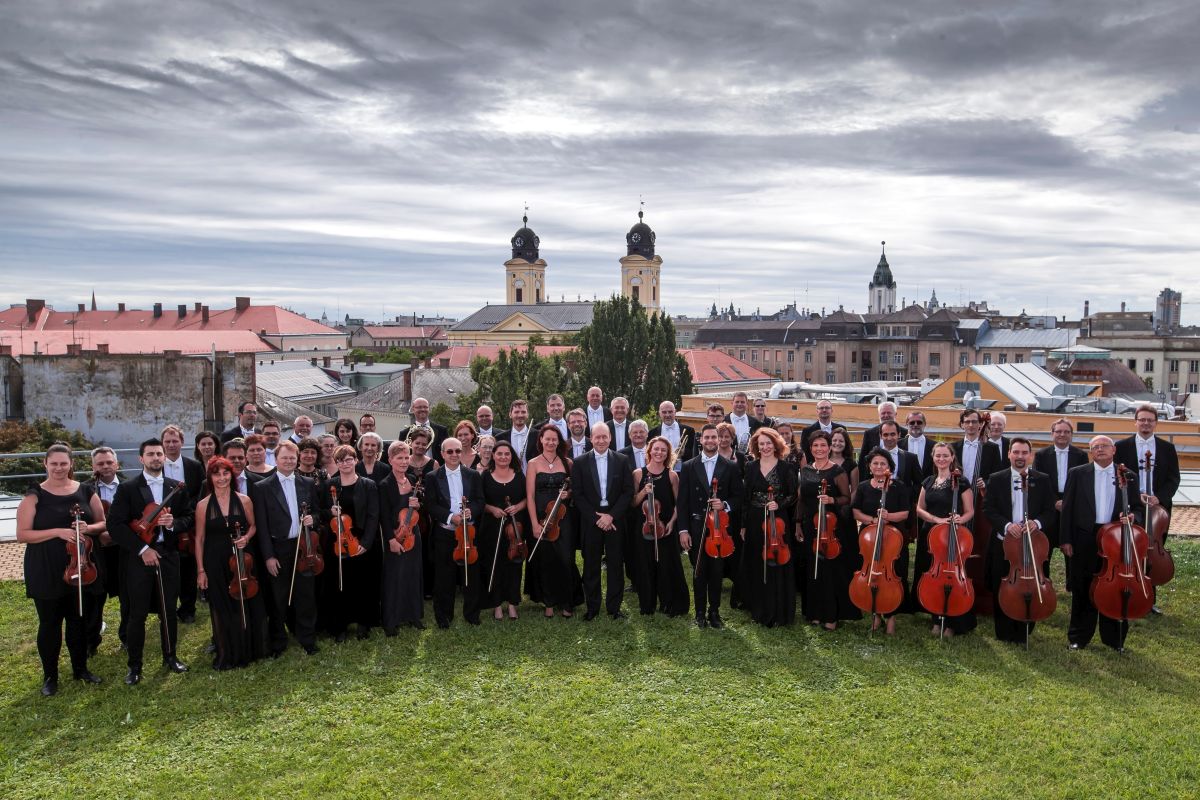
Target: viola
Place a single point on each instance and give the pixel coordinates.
(652, 525)
(345, 543)
(776, 552)
(1121, 590)
(407, 524)
(945, 590)
(145, 524)
(1026, 594)
(243, 585)
(465, 551)
(826, 544)
(308, 553)
(514, 532)
(717, 543)
(556, 510)
(81, 569)
(876, 588)
(1158, 521)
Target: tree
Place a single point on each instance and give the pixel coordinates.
(443, 414)
(515, 374)
(35, 437)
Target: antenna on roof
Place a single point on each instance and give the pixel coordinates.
(525, 219)
(641, 207)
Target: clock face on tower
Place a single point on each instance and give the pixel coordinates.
(635, 238)
(537, 241)
(519, 242)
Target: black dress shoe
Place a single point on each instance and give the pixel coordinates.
(701, 622)
(714, 620)
(175, 665)
(619, 615)
(133, 677)
(590, 615)
(418, 625)
(87, 676)
(311, 649)
(50, 687)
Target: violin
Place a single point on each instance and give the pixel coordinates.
(408, 523)
(243, 585)
(81, 569)
(1026, 594)
(144, 525)
(775, 548)
(1158, 521)
(826, 544)
(345, 543)
(717, 543)
(515, 533)
(465, 551)
(1121, 590)
(876, 588)
(652, 526)
(945, 590)
(308, 553)
(556, 510)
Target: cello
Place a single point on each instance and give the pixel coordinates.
(1160, 563)
(826, 544)
(308, 552)
(81, 569)
(775, 548)
(876, 588)
(1026, 594)
(465, 551)
(1121, 590)
(945, 590)
(243, 585)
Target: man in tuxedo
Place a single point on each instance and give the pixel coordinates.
(280, 499)
(243, 480)
(618, 423)
(906, 467)
(484, 419)
(105, 480)
(742, 421)
(1056, 461)
(917, 443)
(247, 415)
(760, 413)
(823, 422)
(695, 503)
(419, 408)
(595, 410)
(1091, 499)
(1005, 509)
(445, 490)
(522, 438)
(602, 487)
(190, 472)
(870, 440)
(578, 441)
(301, 428)
(555, 409)
(978, 458)
(148, 563)
(682, 437)
(271, 433)
(715, 414)
(995, 432)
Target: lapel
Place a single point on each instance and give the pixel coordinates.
(444, 484)
(594, 468)
(276, 490)
(144, 488)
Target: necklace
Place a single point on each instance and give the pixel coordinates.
(550, 462)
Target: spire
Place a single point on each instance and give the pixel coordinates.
(93, 299)
(883, 272)
(640, 239)
(525, 242)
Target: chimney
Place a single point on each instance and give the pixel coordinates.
(5, 349)
(74, 349)
(312, 361)
(33, 308)
(262, 331)
(408, 383)
(241, 303)
(102, 348)
(1086, 304)
(171, 355)
(370, 361)
(81, 308)
(326, 362)
(120, 308)
(182, 310)
(1122, 306)
(204, 313)
(345, 361)
(198, 307)
(444, 362)
(157, 310)
(429, 363)
(414, 364)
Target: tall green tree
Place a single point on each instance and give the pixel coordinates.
(516, 374)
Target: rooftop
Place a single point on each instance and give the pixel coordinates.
(551, 316)
(298, 381)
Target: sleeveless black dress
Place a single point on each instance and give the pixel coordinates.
(661, 583)
(506, 583)
(238, 643)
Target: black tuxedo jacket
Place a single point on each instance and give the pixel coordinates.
(908, 471)
(1166, 468)
(587, 446)
(990, 461)
(612, 432)
(926, 461)
(585, 486)
(531, 441)
(233, 433)
(272, 519)
(1077, 524)
(870, 440)
(628, 453)
(437, 495)
(1003, 447)
(695, 490)
(1044, 460)
(1042, 496)
(131, 499)
(689, 449)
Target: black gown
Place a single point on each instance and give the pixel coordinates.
(554, 565)
(403, 597)
(358, 601)
(661, 583)
(506, 583)
(771, 601)
(827, 597)
(237, 644)
(866, 500)
(938, 502)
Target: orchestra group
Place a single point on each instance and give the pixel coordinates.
(310, 536)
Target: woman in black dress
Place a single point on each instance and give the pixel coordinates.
(503, 484)
(372, 464)
(46, 525)
(358, 600)
(553, 563)
(659, 573)
(934, 507)
(826, 581)
(403, 580)
(207, 445)
(867, 498)
(345, 432)
(770, 593)
(842, 454)
(309, 465)
(225, 518)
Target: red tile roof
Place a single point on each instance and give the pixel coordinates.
(272, 319)
(713, 366)
(400, 332)
(54, 342)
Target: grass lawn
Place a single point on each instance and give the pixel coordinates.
(642, 708)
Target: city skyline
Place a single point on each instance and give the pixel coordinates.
(375, 160)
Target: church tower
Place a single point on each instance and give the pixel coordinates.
(881, 291)
(641, 268)
(525, 272)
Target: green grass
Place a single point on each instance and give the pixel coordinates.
(645, 708)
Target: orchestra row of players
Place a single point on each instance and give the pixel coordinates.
(255, 524)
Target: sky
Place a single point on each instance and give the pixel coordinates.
(374, 157)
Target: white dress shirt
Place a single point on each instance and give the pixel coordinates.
(1061, 459)
(639, 457)
(1018, 499)
(288, 482)
(174, 469)
(107, 490)
(602, 473)
(916, 446)
(1105, 492)
(156, 490)
(519, 439)
(742, 426)
(1145, 446)
(454, 480)
(970, 459)
(594, 415)
(270, 457)
(710, 466)
(619, 430)
(561, 424)
(578, 447)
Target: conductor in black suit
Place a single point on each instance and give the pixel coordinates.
(145, 561)
(602, 484)
(279, 500)
(247, 415)
(1005, 510)
(1092, 499)
(445, 490)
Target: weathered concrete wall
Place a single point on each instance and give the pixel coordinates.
(122, 399)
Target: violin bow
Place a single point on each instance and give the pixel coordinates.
(77, 513)
(496, 555)
(466, 544)
(241, 576)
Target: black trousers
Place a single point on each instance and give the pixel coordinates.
(51, 616)
(609, 546)
(301, 616)
(1084, 616)
(706, 585)
(142, 593)
(187, 585)
(446, 575)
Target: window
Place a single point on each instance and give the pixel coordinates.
(897, 376)
(637, 293)
(1020, 358)
(1193, 388)
(520, 295)
(830, 376)
(962, 359)
(935, 359)
(1194, 366)
(882, 358)
(778, 356)
(854, 357)
(883, 374)
(897, 357)
(791, 356)
(741, 355)
(853, 374)
(753, 356)
(1174, 365)
(830, 357)
(1004, 358)
(987, 358)
(1149, 367)
(808, 356)
(766, 356)
(1132, 364)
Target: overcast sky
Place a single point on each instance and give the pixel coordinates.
(375, 159)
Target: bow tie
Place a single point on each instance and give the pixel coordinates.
(154, 481)
(288, 478)
(712, 460)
